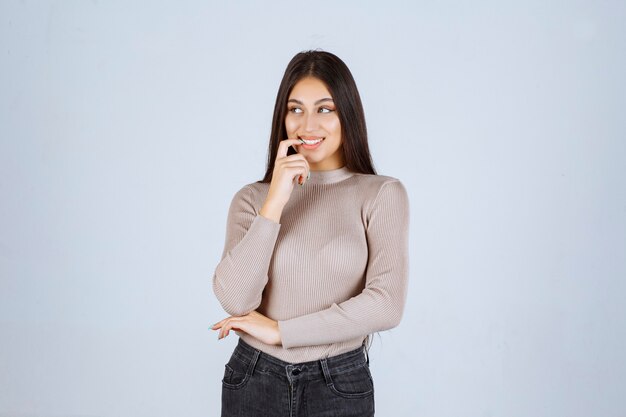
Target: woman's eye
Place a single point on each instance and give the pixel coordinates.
(295, 110)
(325, 110)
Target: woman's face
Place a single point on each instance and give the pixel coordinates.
(311, 114)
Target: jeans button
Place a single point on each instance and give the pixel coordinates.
(295, 372)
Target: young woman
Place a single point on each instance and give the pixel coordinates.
(310, 270)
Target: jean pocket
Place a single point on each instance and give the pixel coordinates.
(236, 373)
(356, 382)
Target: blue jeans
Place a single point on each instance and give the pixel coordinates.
(256, 384)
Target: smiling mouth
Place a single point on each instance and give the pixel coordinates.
(311, 141)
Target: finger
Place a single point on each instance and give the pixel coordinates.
(295, 165)
(300, 157)
(284, 145)
(219, 324)
(230, 322)
(295, 157)
(296, 173)
(220, 334)
(298, 169)
(226, 329)
(239, 325)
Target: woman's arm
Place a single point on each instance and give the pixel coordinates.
(381, 304)
(241, 275)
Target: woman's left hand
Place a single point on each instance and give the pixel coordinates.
(253, 323)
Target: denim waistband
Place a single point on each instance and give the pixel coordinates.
(317, 369)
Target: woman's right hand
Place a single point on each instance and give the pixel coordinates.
(287, 171)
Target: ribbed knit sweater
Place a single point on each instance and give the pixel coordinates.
(334, 270)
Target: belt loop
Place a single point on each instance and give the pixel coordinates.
(253, 362)
(326, 372)
(365, 351)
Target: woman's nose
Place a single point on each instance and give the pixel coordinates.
(310, 122)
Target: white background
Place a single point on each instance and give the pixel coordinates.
(125, 130)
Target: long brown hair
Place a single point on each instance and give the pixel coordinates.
(333, 72)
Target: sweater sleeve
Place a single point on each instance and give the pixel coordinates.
(242, 273)
(381, 303)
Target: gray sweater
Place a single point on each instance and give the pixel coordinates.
(334, 270)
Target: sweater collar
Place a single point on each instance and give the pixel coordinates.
(329, 176)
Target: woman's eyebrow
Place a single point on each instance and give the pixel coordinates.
(317, 102)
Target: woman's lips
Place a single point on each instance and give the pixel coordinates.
(313, 146)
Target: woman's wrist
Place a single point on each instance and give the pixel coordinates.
(271, 211)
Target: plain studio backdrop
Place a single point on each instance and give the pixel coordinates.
(126, 129)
